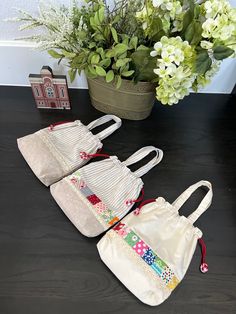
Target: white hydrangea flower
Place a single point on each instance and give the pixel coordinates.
(220, 20)
(174, 69)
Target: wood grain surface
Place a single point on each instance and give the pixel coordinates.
(47, 266)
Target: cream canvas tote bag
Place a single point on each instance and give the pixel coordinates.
(98, 195)
(154, 246)
(54, 152)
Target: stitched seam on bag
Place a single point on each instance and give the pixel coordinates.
(56, 154)
(158, 265)
(84, 200)
(137, 260)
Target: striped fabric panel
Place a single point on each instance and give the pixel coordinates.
(162, 270)
(113, 182)
(70, 139)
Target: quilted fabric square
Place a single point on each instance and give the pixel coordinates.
(93, 199)
(140, 247)
(86, 191)
(157, 268)
(119, 226)
(167, 274)
(132, 238)
(100, 207)
(149, 257)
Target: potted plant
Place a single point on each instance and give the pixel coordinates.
(136, 50)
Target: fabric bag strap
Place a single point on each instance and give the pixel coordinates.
(109, 130)
(140, 154)
(203, 206)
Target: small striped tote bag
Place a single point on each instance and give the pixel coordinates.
(154, 246)
(54, 152)
(98, 195)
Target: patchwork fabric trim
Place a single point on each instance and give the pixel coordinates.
(146, 253)
(99, 207)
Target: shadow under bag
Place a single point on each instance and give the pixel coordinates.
(154, 246)
(98, 195)
(54, 152)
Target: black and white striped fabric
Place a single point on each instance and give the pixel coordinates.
(54, 152)
(71, 138)
(113, 182)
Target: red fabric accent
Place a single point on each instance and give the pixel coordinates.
(150, 200)
(140, 198)
(119, 226)
(204, 265)
(51, 126)
(137, 211)
(93, 199)
(84, 155)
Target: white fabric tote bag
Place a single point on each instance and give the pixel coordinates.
(54, 152)
(98, 195)
(155, 246)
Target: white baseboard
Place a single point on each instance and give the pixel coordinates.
(19, 59)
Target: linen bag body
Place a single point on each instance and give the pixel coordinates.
(99, 194)
(154, 247)
(54, 152)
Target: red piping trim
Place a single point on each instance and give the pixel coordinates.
(51, 126)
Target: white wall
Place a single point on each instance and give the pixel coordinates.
(18, 59)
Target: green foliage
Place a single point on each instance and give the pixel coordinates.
(203, 62)
(193, 33)
(222, 52)
(144, 65)
(115, 42)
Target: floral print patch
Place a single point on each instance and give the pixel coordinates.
(100, 208)
(147, 254)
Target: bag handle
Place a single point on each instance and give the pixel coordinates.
(140, 154)
(203, 206)
(109, 130)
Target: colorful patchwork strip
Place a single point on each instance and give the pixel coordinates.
(147, 254)
(100, 208)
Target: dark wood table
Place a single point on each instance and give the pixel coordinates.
(47, 266)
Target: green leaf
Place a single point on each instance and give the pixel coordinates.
(101, 14)
(133, 42)
(222, 52)
(188, 17)
(96, 19)
(122, 62)
(72, 74)
(114, 35)
(127, 73)
(144, 65)
(100, 71)
(189, 33)
(118, 81)
(193, 33)
(92, 70)
(142, 47)
(120, 48)
(196, 11)
(55, 54)
(110, 53)
(109, 76)
(156, 28)
(95, 59)
(203, 62)
(105, 62)
(67, 54)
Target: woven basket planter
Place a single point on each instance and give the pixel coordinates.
(131, 101)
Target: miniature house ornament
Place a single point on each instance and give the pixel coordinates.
(50, 91)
